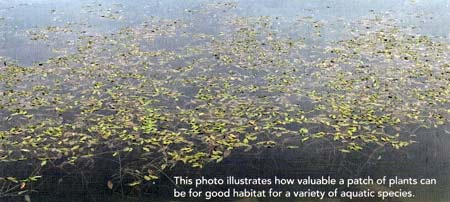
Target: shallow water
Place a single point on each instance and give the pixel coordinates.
(318, 25)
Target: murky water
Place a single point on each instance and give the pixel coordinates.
(275, 43)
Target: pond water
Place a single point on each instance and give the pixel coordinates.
(107, 100)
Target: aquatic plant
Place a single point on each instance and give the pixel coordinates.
(118, 96)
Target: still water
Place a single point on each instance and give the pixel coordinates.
(28, 38)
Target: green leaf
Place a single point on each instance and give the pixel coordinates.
(305, 139)
(12, 179)
(303, 131)
(135, 183)
(151, 177)
(344, 151)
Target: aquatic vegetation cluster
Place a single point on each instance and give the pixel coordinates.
(199, 96)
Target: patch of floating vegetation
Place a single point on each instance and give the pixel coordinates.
(111, 12)
(117, 96)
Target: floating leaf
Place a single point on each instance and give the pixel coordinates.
(135, 183)
(27, 198)
(303, 131)
(109, 184)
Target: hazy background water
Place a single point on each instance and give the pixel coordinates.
(429, 17)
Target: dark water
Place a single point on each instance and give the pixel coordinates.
(428, 158)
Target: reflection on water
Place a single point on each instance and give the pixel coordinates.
(19, 16)
(279, 52)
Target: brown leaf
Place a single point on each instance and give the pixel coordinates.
(109, 184)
